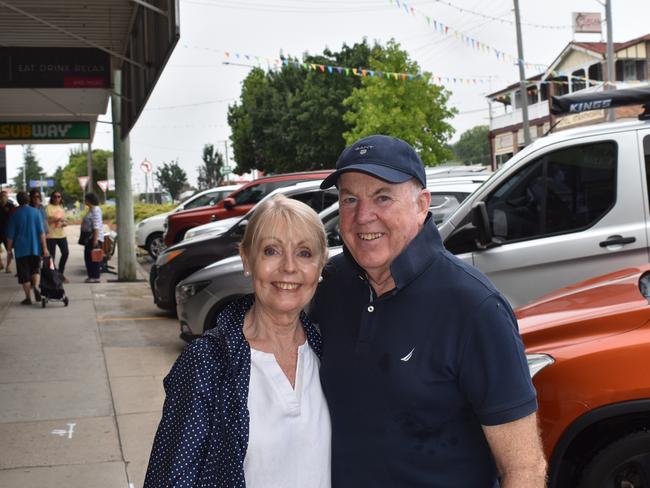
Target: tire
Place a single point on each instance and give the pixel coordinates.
(43, 302)
(155, 243)
(65, 301)
(625, 463)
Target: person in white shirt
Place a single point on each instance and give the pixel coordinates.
(244, 403)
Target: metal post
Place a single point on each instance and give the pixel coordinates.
(522, 76)
(126, 264)
(90, 167)
(611, 113)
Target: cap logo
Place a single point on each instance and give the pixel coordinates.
(363, 149)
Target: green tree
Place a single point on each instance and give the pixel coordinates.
(78, 166)
(292, 119)
(171, 178)
(211, 172)
(31, 168)
(414, 110)
(473, 147)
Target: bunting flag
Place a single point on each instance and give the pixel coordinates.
(272, 63)
(441, 28)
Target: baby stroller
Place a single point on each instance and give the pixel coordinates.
(51, 284)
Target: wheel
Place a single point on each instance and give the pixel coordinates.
(624, 463)
(65, 301)
(43, 302)
(155, 244)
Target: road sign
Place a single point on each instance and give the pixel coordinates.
(83, 181)
(146, 166)
(41, 183)
(103, 184)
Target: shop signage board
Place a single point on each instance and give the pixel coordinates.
(42, 67)
(49, 131)
(41, 183)
(587, 22)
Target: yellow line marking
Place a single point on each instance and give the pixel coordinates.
(117, 319)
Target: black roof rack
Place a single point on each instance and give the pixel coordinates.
(582, 102)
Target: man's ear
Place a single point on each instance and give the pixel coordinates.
(423, 202)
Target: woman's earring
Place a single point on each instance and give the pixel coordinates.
(247, 273)
(320, 279)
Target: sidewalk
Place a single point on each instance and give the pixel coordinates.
(80, 386)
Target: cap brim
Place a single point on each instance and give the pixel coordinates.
(377, 170)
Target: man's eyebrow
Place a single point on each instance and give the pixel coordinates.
(378, 191)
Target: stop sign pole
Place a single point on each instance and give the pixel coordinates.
(146, 167)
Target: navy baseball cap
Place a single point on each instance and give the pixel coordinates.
(384, 157)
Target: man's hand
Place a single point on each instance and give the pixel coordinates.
(517, 450)
(46, 253)
(10, 253)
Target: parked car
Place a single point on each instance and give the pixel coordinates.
(220, 225)
(149, 232)
(201, 296)
(181, 260)
(588, 348)
(237, 204)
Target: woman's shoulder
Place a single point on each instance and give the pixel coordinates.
(200, 364)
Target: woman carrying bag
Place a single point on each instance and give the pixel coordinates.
(56, 234)
(92, 238)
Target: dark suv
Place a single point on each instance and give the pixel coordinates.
(181, 260)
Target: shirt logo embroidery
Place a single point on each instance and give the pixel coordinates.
(408, 356)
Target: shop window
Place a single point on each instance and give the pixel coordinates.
(578, 80)
(595, 73)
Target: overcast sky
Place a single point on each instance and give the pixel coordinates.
(189, 104)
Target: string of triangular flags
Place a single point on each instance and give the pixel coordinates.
(348, 71)
(446, 30)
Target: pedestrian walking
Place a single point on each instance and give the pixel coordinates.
(6, 209)
(26, 236)
(36, 201)
(56, 231)
(92, 236)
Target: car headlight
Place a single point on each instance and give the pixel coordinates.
(196, 232)
(141, 223)
(168, 256)
(537, 362)
(187, 291)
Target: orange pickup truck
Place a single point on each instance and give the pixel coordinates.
(588, 348)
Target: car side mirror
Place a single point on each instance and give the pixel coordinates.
(480, 220)
(229, 203)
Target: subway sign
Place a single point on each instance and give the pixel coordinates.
(44, 131)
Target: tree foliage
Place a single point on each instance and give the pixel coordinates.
(78, 166)
(31, 168)
(414, 110)
(473, 146)
(171, 178)
(292, 119)
(211, 172)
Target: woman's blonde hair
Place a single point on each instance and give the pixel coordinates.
(280, 212)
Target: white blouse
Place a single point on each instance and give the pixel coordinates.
(290, 433)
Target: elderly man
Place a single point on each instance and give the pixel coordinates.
(423, 366)
(26, 236)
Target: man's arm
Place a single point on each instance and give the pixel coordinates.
(43, 245)
(517, 450)
(10, 247)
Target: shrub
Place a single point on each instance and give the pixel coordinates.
(140, 210)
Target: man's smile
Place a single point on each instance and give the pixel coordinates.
(370, 236)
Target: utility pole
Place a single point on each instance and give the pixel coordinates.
(522, 76)
(90, 167)
(611, 113)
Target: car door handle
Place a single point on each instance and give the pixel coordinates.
(616, 240)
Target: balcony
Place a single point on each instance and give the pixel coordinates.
(514, 117)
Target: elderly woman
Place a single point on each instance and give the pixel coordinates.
(244, 403)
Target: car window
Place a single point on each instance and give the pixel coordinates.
(203, 200)
(317, 199)
(562, 191)
(253, 194)
(443, 204)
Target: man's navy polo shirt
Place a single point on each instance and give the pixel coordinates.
(412, 375)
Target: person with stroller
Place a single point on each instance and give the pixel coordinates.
(92, 235)
(26, 235)
(56, 233)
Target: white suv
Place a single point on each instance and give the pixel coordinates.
(149, 232)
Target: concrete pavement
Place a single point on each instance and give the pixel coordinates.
(81, 386)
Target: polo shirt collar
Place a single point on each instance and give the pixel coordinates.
(414, 259)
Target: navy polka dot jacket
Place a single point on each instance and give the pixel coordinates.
(202, 438)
